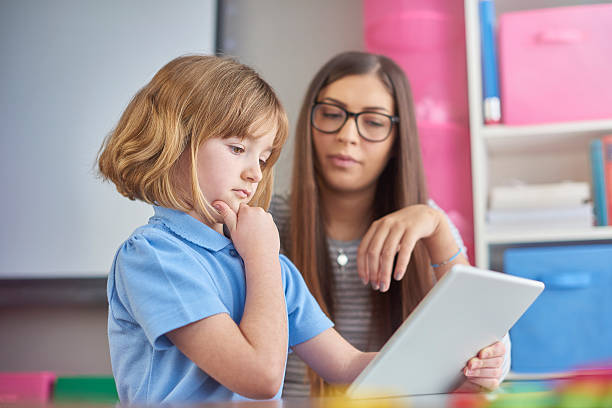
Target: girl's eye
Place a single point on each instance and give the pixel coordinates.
(236, 149)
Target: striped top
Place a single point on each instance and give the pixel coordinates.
(352, 299)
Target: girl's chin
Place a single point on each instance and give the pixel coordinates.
(231, 203)
(234, 205)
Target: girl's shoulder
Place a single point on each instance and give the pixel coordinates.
(150, 241)
(154, 254)
(152, 233)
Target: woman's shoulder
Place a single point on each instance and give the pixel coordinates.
(281, 213)
(433, 204)
(451, 223)
(279, 205)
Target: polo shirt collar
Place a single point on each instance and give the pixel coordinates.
(190, 229)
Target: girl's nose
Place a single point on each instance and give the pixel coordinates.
(253, 173)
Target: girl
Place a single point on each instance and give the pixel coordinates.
(193, 315)
(359, 213)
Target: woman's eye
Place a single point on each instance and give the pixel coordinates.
(236, 149)
(374, 123)
(331, 115)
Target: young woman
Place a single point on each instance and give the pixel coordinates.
(358, 212)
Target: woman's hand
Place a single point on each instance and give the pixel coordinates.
(397, 233)
(484, 372)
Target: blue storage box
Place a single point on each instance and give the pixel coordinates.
(570, 324)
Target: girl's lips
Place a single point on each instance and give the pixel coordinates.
(242, 193)
(341, 160)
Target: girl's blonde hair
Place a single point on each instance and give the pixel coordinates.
(190, 100)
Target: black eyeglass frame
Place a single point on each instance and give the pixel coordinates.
(394, 120)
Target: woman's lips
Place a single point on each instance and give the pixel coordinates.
(341, 160)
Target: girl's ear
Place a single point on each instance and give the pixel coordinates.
(182, 175)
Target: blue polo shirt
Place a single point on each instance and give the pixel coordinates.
(171, 272)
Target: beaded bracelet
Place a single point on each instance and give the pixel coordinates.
(449, 260)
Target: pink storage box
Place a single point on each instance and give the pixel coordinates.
(26, 387)
(556, 64)
(427, 39)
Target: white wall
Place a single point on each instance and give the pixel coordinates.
(69, 68)
(67, 340)
(287, 42)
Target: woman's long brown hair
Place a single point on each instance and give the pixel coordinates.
(401, 183)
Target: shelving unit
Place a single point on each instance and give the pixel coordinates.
(534, 154)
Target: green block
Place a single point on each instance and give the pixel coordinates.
(100, 389)
(521, 387)
(524, 400)
(572, 399)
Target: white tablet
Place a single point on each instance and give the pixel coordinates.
(467, 310)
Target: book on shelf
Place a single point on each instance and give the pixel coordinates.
(580, 216)
(600, 193)
(607, 171)
(488, 57)
(566, 194)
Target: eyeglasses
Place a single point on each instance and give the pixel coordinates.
(372, 126)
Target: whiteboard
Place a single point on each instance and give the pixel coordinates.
(68, 69)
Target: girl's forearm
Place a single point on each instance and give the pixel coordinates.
(264, 322)
(357, 365)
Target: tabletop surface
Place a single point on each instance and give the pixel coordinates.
(533, 393)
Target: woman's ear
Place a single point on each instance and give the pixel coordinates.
(396, 144)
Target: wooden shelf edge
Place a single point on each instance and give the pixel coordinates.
(504, 131)
(550, 235)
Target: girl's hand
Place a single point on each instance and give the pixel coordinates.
(396, 232)
(252, 231)
(484, 371)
